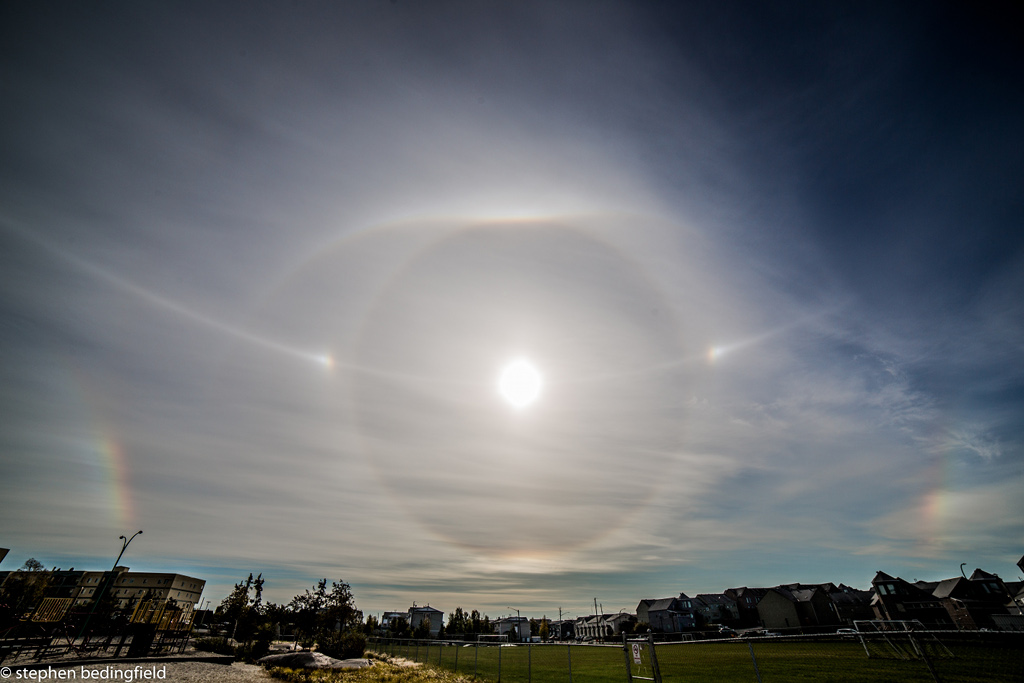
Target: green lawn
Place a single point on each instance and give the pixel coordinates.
(777, 661)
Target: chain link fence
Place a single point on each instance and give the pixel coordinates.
(928, 657)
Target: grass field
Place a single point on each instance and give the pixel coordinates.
(777, 660)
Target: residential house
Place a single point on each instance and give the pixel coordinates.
(588, 627)
(718, 608)
(814, 607)
(850, 604)
(899, 600)
(392, 620)
(668, 615)
(563, 629)
(417, 615)
(604, 626)
(746, 604)
(973, 602)
(516, 628)
(615, 624)
(777, 609)
(1013, 620)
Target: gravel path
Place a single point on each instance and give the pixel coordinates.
(176, 672)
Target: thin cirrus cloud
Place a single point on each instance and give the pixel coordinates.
(258, 291)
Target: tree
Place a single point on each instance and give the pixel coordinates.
(320, 616)
(458, 622)
(544, 631)
(251, 624)
(422, 630)
(398, 628)
(32, 565)
(23, 590)
(236, 604)
(641, 627)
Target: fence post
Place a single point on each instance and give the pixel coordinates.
(476, 657)
(499, 662)
(754, 660)
(654, 659)
(569, 648)
(629, 664)
(529, 662)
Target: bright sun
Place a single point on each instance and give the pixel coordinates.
(520, 383)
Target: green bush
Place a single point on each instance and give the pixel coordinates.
(220, 646)
(251, 651)
(345, 645)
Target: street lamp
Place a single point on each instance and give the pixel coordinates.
(99, 596)
(124, 546)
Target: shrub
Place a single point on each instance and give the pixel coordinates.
(220, 646)
(345, 645)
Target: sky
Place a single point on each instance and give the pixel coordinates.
(263, 264)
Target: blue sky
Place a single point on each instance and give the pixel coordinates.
(261, 266)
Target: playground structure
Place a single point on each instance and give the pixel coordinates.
(54, 629)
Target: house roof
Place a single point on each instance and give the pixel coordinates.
(804, 594)
(850, 597)
(946, 588)
(618, 616)
(715, 598)
(881, 577)
(663, 604)
(781, 590)
(982, 575)
(428, 608)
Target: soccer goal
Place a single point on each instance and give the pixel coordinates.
(908, 639)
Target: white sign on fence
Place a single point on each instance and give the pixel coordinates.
(636, 652)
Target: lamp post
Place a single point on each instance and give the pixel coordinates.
(99, 596)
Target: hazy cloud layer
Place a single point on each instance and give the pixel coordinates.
(260, 268)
